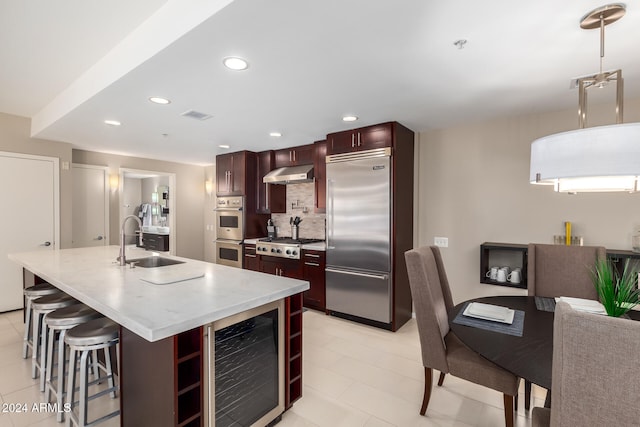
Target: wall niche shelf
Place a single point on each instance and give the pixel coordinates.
(501, 255)
(515, 255)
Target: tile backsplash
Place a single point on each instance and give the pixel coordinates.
(300, 197)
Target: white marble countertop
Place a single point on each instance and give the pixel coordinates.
(154, 312)
(319, 246)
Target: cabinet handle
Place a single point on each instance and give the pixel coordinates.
(290, 158)
(294, 155)
(353, 139)
(313, 264)
(312, 255)
(249, 255)
(358, 139)
(266, 195)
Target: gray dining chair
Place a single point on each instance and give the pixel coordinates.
(595, 358)
(440, 347)
(560, 270)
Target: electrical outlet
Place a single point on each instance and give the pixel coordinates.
(443, 242)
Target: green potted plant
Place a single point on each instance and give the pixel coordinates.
(618, 293)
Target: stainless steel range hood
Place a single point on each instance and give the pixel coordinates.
(290, 175)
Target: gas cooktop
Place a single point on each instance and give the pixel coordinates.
(284, 247)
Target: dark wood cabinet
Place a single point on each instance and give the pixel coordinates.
(366, 138)
(163, 381)
(320, 176)
(271, 198)
(313, 272)
(281, 267)
(155, 242)
(251, 261)
(294, 156)
(235, 174)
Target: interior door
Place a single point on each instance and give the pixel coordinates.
(90, 206)
(29, 216)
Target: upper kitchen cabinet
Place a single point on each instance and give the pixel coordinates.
(367, 138)
(271, 198)
(320, 175)
(235, 174)
(294, 156)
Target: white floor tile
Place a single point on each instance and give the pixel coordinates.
(29, 399)
(354, 376)
(16, 376)
(325, 411)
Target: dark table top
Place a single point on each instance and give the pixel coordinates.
(530, 356)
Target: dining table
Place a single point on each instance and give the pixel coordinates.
(529, 356)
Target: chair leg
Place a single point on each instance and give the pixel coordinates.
(428, 378)
(527, 394)
(508, 410)
(441, 379)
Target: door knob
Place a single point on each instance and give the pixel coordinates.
(98, 238)
(46, 244)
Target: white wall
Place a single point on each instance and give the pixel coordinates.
(473, 187)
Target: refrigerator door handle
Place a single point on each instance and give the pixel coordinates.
(354, 273)
(329, 216)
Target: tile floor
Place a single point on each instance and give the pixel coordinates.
(354, 376)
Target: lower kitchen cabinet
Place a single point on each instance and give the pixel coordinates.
(281, 267)
(162, 381)
(155, 242)
(251, 261)
(313, 271)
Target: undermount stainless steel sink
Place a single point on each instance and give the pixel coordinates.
(153, 261)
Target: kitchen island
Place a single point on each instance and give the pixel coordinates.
(164, 326)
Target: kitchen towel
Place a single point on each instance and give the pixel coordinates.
(514, 329)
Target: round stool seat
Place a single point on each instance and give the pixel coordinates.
(93, 332)
(40, 289)
(54, 301)
(71, 315)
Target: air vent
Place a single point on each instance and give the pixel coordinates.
(196, 115)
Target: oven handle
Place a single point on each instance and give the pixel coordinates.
(229, 242)
(228, 209)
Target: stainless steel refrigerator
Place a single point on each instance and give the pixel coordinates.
(359, 218)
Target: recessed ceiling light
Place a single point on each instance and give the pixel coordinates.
(158, 100)
(223, 146)
(275, 134)
(112, 122)
(235, 63)
(349, 118)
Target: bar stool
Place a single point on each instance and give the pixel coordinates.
(58, 322)
(97, 334)
(31, 293)
(41, 307)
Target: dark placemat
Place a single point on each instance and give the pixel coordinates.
(514, 329)
(546, 304)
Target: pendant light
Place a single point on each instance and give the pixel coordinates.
(595, 159)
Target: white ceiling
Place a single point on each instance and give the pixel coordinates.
(70, 64)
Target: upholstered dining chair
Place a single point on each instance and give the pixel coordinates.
(595, 358)
(559, 270)
(441, 349)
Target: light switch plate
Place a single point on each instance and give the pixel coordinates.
(443, 242)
